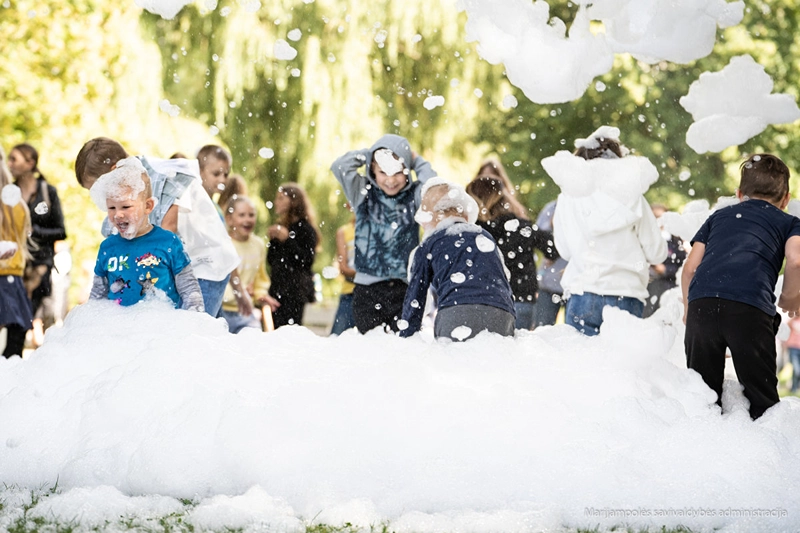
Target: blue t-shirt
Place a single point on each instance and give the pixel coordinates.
(462, 263)
(134, 267)
(744, 253)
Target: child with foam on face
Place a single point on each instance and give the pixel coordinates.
(461, 262)
(384, 201)
(139, 258)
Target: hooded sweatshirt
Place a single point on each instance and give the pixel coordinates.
(604, 226)
(386, 232)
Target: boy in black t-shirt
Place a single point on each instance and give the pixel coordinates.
(729, 279)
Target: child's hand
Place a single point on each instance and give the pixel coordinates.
(279, 232)
(244, 303)
(269, 301)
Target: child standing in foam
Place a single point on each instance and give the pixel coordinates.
(729, 279)
(139, 258)
(384, 200)
(16, 314)
(182, 207)
(604, 227)
(462, 263)
(240, 216)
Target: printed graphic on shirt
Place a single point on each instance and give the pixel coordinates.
(147, 283)
(119, 285)
(148, 260)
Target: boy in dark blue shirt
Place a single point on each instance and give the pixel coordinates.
(729, 279)
(462, 263)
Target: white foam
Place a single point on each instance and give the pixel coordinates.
(733, 105)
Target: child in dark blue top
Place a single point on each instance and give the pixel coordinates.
(462, 263)
(139, 258)
(729, 279)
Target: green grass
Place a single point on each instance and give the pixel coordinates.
(16, 516)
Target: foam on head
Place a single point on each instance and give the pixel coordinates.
(388, 162)
(452, 197)
(128, 180)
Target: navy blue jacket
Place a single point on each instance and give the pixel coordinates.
(462, 263)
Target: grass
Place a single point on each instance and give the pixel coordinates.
(17, 515)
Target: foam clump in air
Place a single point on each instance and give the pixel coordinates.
(540, 57)
(686, 223)
(11, 195)
(733, 105)
(167, 9)
(124, 181)
(664, 30)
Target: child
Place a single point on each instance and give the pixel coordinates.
(516, 237)
(729, 279)
(16, 314)
(240, 217)
(215, 166)
(604, 227)
(290, 254)
(384, 201)
(462, 264)
(139, 258)
(178, 190)
(345, 259)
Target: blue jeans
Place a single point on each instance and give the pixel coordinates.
(585, 311)
(213, 292)
(547, 310)
(344, 315)
(794, 358)
(237, 322)
(524, 311)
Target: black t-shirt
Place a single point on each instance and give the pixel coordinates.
(744, 253)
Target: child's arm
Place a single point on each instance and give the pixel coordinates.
(653, 244)
(243, 300)
(345, 169)
(99, 288)
(789, 300)
(689, 268)
(189, 290)
(419, 280)
(341, 256)
(422, 168)
(560, 231)
(261, 287)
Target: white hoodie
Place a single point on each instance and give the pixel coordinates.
(604, 226)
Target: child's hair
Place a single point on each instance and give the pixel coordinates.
(97, 157)
(30, 154)
(494, 168)
(492, 196)
(215, 151)
(607, 148)
(764, 176)
(8, 226)
(235, 187)
(452, 199)
(178, 155)
(299, 207)
(128, 179)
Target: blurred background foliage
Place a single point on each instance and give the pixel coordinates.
(77, 69)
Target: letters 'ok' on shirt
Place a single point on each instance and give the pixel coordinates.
(134, 267)
(744, 253)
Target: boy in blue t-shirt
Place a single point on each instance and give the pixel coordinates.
(729, 279)
(139, 258)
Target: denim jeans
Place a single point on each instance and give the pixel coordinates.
(237, 322)
(213, 292)
(524, 312)
(585, 311)
(547, 310)
(344, 315)
(794, 358)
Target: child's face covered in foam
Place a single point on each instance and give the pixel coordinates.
(390, 173)
(129, 212)
(124, 193)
